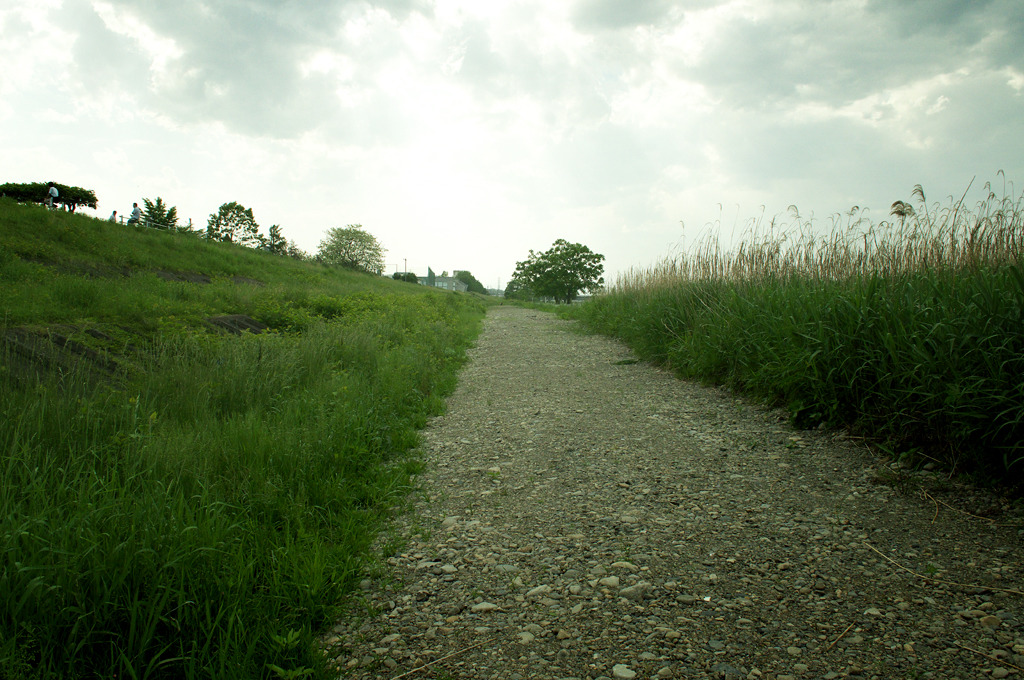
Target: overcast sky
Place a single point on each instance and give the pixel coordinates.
(463, 133)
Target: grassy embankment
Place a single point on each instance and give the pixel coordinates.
(911, 330)
(182, 502)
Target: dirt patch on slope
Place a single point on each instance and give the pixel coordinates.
(237, 324)
(33, 354)
(190, 277)
(102, 271)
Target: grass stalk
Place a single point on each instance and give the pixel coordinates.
(910, 331)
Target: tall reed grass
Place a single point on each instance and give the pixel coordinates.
(910, 330)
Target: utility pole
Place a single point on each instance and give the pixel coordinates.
(405, 261)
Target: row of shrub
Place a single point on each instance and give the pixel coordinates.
(37, 192)
(910, 331)
(203, 511)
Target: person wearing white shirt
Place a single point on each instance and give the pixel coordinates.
(136, 214)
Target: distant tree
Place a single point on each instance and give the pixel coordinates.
(156, 214)
(295, 252)
(352, 247)
(73, 197)
(189, 230)
(560, 272)
(233, 223)
(409, 277)
(518, 290)
(69, 197)
(250, 234)
(274, 242)
(472, 284)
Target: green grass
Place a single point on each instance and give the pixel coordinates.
(204, 509)
(909, 331)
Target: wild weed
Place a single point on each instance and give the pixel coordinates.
(203, 512)
(909, 330)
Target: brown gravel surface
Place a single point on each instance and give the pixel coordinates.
(586, 516)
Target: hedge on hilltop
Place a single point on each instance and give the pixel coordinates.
(35, 192)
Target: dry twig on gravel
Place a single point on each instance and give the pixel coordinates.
(938, 580)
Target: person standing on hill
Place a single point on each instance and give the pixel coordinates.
(136, 214)
(51, 195)
(113, 217)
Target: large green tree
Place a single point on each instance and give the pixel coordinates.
(157, 215)
(352, 247)
(233, 223)
(472, 284)
(560, 272)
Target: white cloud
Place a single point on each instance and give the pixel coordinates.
(465, 133)
(33, 51)
(159, 49)
(1014, 78)
(939, 104)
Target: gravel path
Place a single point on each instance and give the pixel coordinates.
(586, 516)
